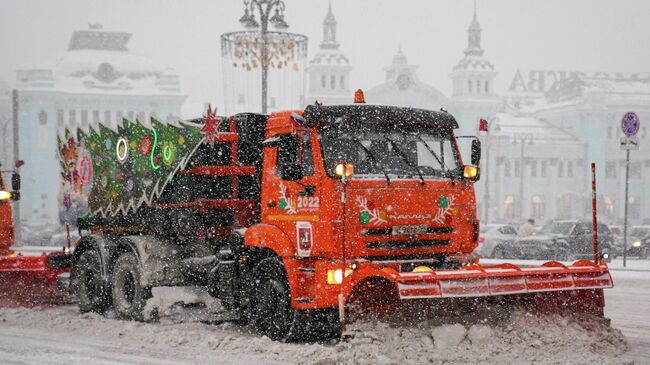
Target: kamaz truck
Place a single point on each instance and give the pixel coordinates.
(292, 219)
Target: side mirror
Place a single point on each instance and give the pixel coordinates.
(476, 152)
(15, 182)
(288, 157)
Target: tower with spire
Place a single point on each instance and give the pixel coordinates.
(329, 69)
(473, 76)
(473, 96)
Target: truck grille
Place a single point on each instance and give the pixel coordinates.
(389, 231)
(406, 244)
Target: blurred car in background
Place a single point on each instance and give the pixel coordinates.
(495, 240)
(638, 242)
(565, 240)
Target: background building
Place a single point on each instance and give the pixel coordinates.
(97, 80)
(6, 126)
(329, 69)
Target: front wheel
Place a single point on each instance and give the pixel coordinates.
(129, 296)
(272, 314)
(87, 284)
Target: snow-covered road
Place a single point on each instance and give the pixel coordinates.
(61, 335)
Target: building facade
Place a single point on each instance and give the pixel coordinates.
(97, 80)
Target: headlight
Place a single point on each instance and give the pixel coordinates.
(636, 244)
(5, 195)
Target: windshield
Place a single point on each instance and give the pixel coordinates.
(398, 150)
(558, 228)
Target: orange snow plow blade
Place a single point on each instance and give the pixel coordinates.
(496, 289)
(503, 279)
(27, 281)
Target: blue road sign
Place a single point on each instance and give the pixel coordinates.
(630, 124)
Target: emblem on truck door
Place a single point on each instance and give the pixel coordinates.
(304, 238)
(286, 204)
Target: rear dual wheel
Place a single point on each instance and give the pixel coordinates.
(88, 285)
(128, 294)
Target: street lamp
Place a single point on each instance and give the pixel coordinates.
(523, 138)
(264, 9)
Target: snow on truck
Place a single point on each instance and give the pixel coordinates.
(293, 219)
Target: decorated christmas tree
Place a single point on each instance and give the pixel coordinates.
(116, 171)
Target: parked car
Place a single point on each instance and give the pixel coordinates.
(495, 240)
(639, 242)
(564, 240)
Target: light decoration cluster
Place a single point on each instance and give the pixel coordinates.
(246, 50)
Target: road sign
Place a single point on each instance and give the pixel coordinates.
(630, 124)
(631, 143)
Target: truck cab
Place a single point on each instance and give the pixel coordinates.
(348, 191)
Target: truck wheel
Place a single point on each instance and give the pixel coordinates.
(272, 314)
(87, 285)
(129, 297)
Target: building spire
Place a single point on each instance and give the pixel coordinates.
(329, 30)
(474, 37)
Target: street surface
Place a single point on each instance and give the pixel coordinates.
(61, 335)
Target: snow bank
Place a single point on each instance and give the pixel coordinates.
(522, 339)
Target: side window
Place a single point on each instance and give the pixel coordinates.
(579, 229)
(509, 230)
(287, 153)
(307, 155)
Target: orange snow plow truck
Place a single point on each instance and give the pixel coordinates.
(295, 218)
(25, 279)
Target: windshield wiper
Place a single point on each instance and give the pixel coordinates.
(440, 161)
(408, 162)
(372, 157)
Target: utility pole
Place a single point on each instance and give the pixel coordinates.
(630, 125)
(16, 157)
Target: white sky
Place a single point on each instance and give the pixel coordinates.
(587, 35)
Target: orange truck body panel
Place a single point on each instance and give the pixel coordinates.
(340, 240)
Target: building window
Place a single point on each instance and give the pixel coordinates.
(609, 207)
(509, 207)
(332, 82)
(560, 169)
(323, 81)
(507, 168)
(84, 118)
(634, 207)
(95, 116)
(569, 169)
(544, 165)
(610, 169)
(469, 86)
(72, 118)
(60, 118)
(487, 88)
(517, 168)
(533, 168)
(565, 207)
(478, 86)
(342, 82)
(635, 170)
(538, 207)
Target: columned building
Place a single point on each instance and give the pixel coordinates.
(97, 80)
(329, 69)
